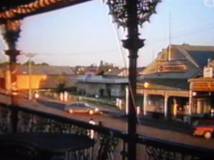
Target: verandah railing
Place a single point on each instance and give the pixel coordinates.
(110, 144)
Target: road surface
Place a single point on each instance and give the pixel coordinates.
(115, 123)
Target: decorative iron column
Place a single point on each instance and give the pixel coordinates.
(132, 43)
(129, 14)
(11, 30)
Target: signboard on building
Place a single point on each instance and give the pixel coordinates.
(208, 72)
(172, 68)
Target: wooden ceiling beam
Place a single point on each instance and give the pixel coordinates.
(37, 7)
(6, 5)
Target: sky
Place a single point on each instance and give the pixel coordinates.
(85, 34)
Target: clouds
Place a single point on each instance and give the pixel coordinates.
(209, 3)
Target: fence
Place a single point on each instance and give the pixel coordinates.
(110, 144)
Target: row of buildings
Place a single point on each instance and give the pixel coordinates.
(178, 82)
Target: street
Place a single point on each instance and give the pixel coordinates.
(112, 122)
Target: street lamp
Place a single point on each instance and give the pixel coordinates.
(146, 85)
(129, 14)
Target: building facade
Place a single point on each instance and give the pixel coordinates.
(164, 84)
(202, 91)
(39, 77)
(102, 86)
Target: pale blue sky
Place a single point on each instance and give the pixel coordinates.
(84, 34)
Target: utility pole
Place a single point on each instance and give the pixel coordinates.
(29, 56)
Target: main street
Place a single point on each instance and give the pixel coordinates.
(111, 122)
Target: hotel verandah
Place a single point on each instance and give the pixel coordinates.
(154, 149)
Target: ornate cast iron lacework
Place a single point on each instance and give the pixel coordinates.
(27, 8)
(33, 7)
(157, 153)
(106, 146)
(6, 4)
(118, 8)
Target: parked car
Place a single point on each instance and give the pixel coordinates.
(204, 127)
(82, 108)
(195, 118)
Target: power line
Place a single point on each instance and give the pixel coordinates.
(185, 33)
(74, 53)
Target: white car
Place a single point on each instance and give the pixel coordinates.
(81, 108)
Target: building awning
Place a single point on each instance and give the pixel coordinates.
(23, 8)
(202, 84)
(170, 87)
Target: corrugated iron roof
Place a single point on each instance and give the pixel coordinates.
(123, 72)
(102, 79)
(46, 70)
(191, 58)
(166, 83)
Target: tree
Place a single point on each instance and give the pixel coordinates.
(60, 87)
